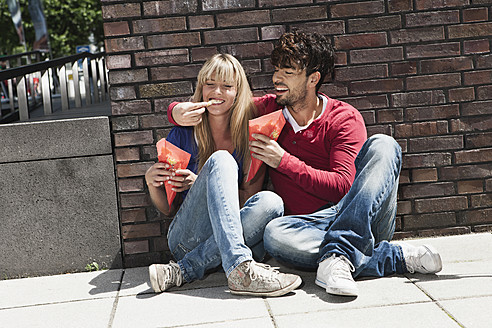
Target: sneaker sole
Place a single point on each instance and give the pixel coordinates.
(435, 257)
(275, 293)
(336, 291)
(153, 278)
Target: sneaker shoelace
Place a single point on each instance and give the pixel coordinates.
(172, 274)
(265, 271)
(339, 268)
(413, 262)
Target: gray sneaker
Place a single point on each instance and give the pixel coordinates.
(422, 259)
(258, 279)
(165, 276)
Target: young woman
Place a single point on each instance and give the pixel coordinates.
(222, 218)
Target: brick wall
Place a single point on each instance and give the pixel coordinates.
(419, 70)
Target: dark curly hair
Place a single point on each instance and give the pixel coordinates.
(312, 52)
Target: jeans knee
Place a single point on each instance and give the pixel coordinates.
(222, 159)
(272, 203)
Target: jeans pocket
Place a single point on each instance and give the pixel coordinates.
(179, 252)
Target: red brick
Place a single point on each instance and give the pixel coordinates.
(258, 49)
(261, 81)
(173, 40)
(470, 186)
(159, 25)
(369, 117)
(476, 46)
(321, 27)
(121, 10)
(471, 124)
(418, 98)
(154, 121)
(404, 177)
(477, 108)
(390, 115)
(433, 50)
(416, 35)
(121, 123)
(434, 4)
(133, 184)
(432, 112)
(299, 14)
(243, 18)
(432, 18)
(477, 216)
(426, 160)
(131, 107)
(272, 32)
(488, 184)
(378, 129)
(482, 139)
(433, 220)
(470, 30)
(232, 35)
(473, 156)
(482, 228)
(116, 28)
(169, 7)
(421, 129)
(461, 94)
(340, 58)
(175, 72)
(352, 73)
(132, 169)
(435, 81)
(230, 4)
(134, 200)
(403, 207)
(462, 172)
(375, 86)
(424, 175)
(475, 15)
(484, 92)
(357, 9)
(444, 232)
(124, 44)
(128, 76)
(135, 247)
(441, 204)
(379, 23)
(122, 139)
(143, 230)
(133, 215)
(122, 93)
(376, 55)
(280, 3)
(127, 154)
(403, 68)
(368, 102)
(399, 5)
(446, 65)
(484, 61)
(335, 90)
(251, 66)
(161, 57)
(162, 104)
(366, 40)
(160, 244)
(118, 61)
(439, 143)
(201, 22)
(422, 190)
(202, 53)
(478, 77)
(166, 89)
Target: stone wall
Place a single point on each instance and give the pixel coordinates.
(419, 70)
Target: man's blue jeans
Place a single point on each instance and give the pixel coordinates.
(210, 228)
(358, 227)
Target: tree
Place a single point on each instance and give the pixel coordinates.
(70, 23)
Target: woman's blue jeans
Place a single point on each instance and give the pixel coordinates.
(210, 228)
(358, 227)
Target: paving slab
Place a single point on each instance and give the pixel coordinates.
(420, 315)
(60, 288)
(471, 312)
(189, 307)
(90, 313)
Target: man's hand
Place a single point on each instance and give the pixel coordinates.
(189, 113)
(266, 150)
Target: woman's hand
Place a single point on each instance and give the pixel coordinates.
(158, 174)
(189, 113)
(182, 180)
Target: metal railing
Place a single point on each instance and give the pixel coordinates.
(26, 86)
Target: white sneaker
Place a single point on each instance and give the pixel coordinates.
(422, 259)
(165, 276)
(335, 275)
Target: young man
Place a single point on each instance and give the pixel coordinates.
(339, 189)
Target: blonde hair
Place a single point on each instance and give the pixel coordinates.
(226, 68)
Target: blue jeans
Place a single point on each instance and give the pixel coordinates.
(358, 227)
(210, 228)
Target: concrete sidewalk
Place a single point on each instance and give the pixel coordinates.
(458, 296)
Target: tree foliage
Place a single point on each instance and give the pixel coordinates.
(70, 23)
